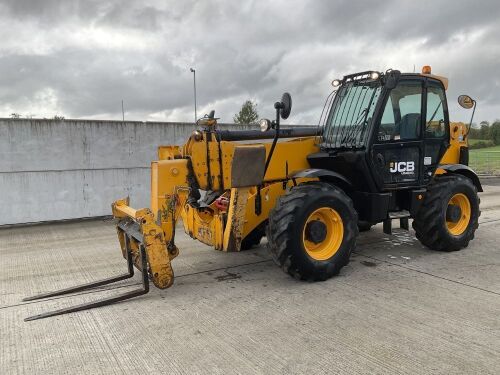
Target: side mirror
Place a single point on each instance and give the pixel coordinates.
(466, 101)
(286, 105)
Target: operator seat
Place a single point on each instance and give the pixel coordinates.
(409, 126)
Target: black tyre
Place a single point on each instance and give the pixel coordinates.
(312, 231)
(449, 215)
(364, 226)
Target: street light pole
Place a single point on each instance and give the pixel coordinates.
(194, 85)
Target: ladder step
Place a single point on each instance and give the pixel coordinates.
(399, 214)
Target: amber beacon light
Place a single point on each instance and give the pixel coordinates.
(426, 69)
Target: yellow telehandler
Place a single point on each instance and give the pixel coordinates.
(384, 150)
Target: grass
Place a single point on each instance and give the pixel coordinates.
(485, 160)
(486, 149)
(472, 142)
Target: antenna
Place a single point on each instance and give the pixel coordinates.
(123, 113)
(194, 87)
(413, 68)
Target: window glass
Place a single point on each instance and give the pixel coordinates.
(388, 122)
(401, 117)
(350, 114)
(434, 124)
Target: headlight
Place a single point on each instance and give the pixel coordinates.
(265, 125)
(374, 75)
(197, 135)
(336, 83)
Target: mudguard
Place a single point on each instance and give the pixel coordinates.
(464, 170)
(325, 175)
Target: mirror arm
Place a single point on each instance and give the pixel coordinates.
(471, 118)
(276, 126)
(278, 107)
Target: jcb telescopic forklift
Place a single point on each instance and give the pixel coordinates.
(385, 149)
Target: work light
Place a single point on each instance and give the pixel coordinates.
(265, 125)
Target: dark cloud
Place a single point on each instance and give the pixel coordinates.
(81, 58)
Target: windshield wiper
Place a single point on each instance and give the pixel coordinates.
(352, 133)
(434, 114)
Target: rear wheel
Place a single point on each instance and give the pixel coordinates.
(449, 214)
(312, 231)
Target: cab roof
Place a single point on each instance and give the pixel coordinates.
(443, 80)
(373, 75)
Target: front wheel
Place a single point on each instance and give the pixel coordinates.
(312, 231)
(449, 215)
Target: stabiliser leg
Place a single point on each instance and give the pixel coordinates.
(102, 302)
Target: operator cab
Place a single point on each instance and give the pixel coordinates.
(386, 133)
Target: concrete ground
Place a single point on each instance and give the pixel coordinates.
(396, 308)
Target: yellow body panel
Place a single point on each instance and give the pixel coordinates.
(169, 152)
(458, 138)
(269, 194)
(233, 233)
(288, 156)
(203, 225)
(168, 177)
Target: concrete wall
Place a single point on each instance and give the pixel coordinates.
(55, 170)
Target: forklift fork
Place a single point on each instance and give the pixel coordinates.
(105, 301)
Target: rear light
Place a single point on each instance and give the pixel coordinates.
(222, 203)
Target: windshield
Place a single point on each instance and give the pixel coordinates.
(350, 113)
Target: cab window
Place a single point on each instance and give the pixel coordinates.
(435, 119)
(401, 118)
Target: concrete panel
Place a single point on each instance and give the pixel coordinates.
(58, 195)
(40, 145)
(55, 170)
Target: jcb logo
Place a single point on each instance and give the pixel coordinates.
(402, 166)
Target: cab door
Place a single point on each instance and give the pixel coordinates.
(436, 127)
(397, 145)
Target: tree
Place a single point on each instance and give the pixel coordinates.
(15, 115)
(247, 114)
(474, 133)
(495, 132)
(484, 132)
(483, 123)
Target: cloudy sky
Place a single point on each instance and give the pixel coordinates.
(79, 59)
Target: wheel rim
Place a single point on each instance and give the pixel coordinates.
(326, 247)
(458, 227)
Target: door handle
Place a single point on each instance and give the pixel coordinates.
(379, 158)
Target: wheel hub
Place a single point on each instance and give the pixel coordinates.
(315, 231)
(458, 214)
(323, 233)
(453, 213)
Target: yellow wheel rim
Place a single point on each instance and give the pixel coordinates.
(329, 243)
(459, 227)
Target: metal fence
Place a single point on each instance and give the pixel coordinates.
(485, 162)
